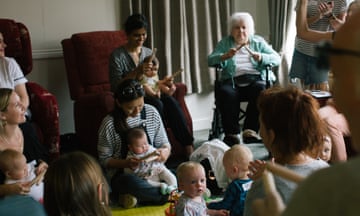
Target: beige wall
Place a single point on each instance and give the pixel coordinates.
(259, 10)
(50, 21)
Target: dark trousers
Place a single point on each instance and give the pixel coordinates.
(173, 117)
(228, 98)
(145, 193)
(33, 149)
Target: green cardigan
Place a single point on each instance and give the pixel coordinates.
(257, 44)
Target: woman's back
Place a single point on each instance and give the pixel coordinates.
(285, 187)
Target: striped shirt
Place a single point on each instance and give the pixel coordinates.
(109, 141)
(323, 24)
(121, 64)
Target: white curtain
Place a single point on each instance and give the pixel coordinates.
(282, 34)
(184, 33)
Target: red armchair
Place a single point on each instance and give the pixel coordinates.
(43, 105)
(86, 57)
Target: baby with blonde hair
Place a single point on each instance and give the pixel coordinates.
(192, 181)
(236, 161)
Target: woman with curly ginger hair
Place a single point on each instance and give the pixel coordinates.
(292, 130)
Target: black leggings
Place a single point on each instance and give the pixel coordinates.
(33, 149)
(173, 117)
(228, 102)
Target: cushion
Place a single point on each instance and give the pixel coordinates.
(93, 50)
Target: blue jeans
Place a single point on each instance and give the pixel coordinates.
(145, 193)
(304, 67)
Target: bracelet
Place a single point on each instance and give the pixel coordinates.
(333, 35)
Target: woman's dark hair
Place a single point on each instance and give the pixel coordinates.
(134, 22)
(126, 91)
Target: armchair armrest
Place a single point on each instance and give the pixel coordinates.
(94, 106)
(179, 95)
(45, 114)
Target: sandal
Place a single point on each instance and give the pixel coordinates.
(250, 136)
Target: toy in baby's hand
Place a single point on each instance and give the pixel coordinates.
(173, 199)
(169, 80)
(151, 157)
(178, 72)
(151, 57)
(167, 85)
(38, 178)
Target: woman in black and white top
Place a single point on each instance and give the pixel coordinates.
(321, 16)
(130, 111)
(131, 60)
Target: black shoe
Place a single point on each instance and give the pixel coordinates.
(250, 136)
(231, 140)
(248, 140)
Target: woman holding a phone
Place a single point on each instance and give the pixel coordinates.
(133, 60)
(321, 16)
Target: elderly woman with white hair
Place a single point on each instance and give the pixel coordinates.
(243, 57)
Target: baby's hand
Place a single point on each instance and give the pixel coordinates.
(170, 90)
(133, 163)
(40, 173)
(41, 168)
(256, 169)
(164, 154)
(168, 81)
(146, 66)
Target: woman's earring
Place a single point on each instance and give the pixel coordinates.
(3, 123)
(101, 193)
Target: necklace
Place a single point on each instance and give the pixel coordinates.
(14, 142)
(5, 139)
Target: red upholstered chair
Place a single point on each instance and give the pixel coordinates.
(86, 57)
(43, 105)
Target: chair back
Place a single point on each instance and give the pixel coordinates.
(17, 38)
(43, 104)
(87, 57)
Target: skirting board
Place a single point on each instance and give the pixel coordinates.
(201, 124)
